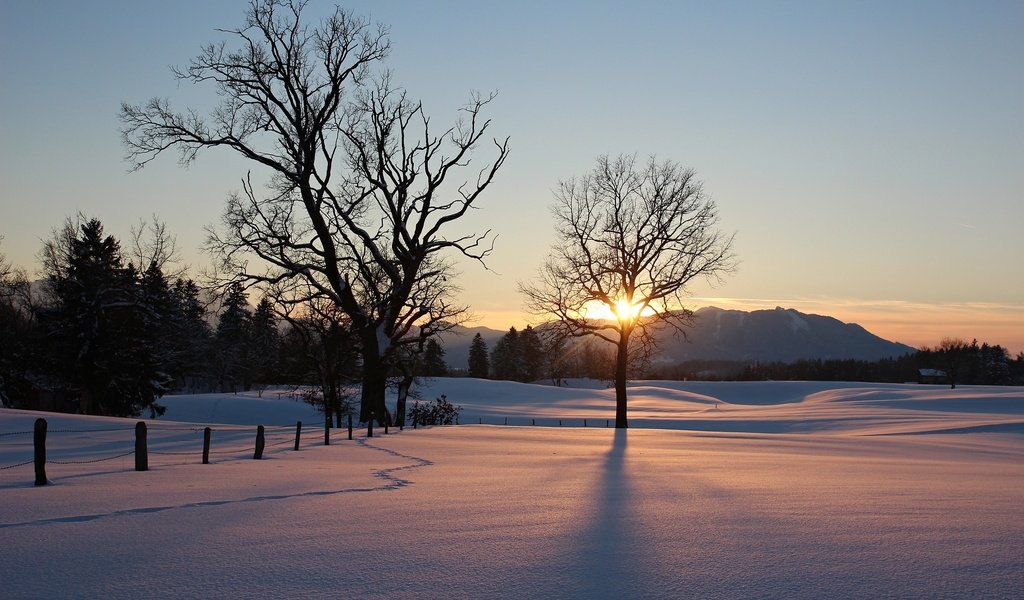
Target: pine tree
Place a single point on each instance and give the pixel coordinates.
(506, 358)
(531, 355)
(96, 324)
(193, 338)
(479, 364)
(264, 343)
(433, 364)
(231, 341)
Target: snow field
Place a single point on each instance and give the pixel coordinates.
(785, 490)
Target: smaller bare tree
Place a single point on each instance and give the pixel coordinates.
(629, 239)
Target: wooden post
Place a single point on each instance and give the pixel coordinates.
(414, 421)
(327, 430)
(141, 451)
(481, 420)
(261, 442)
(584, 422)
(298, 434)
(369, 427)
(350, 426)
(207, 432)
(506, 420)
(606, 423)
(559, 422)
(533, 422)
(385, 426)
(39, 440)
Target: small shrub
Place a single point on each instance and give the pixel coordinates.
(438, 412)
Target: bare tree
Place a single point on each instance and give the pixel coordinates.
(629, 239)
(327, 339)
(152, 244)
(359, 199)
(438, 313)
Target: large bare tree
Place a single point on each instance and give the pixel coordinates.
(630, 237)
(363, 191)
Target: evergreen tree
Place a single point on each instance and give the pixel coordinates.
(192, 339)
(264, 343)
(432, 364)
(506, 360)
(96, 325)
(531, 355)
(231, 341)
(479, 364)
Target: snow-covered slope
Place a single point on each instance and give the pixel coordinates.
(721, 490)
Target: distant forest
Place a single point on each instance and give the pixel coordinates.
(521, 356)
(109, 334)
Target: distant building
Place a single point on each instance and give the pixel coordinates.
(932, 376)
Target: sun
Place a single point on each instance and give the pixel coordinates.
(623, 311)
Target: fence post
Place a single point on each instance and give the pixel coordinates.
(327, 430)
(350, 426)
(369, 427)
(206, 445)
(39, 440)
(606, 423)
(141, 451)
(559, 422)
(584, 422)
(298, 434)
(533, 422)
(414, 421)
(260, 443)
(506, 420)
(385, 426)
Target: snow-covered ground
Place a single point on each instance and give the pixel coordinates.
(719, 490)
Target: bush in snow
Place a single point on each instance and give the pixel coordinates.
(438, 412)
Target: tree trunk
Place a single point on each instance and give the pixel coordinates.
(621, 363)
(375, 376)
(403, 393)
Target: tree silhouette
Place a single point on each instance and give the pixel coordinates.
(629, 238)
(363, 190)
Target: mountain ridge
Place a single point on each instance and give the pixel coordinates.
(768, 335)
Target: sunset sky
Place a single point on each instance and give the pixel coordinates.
(868, 155)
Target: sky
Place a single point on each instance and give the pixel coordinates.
(869, 156)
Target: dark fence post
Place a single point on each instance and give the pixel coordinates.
(606, 423)
(506, 420)
(369, 427)
(39, 440)
(298, 434)
(414, 421)
(327, 431)
(260, 443)
(533, 422)
(207, 432)
(385, 426)
(559, 422)
(350, 426)
(141, 451)
(584, 422)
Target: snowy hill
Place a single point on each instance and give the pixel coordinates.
(720, 490)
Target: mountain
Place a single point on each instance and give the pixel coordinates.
(784, 335)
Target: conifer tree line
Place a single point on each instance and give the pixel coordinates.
(101, 333)
(528, 356)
